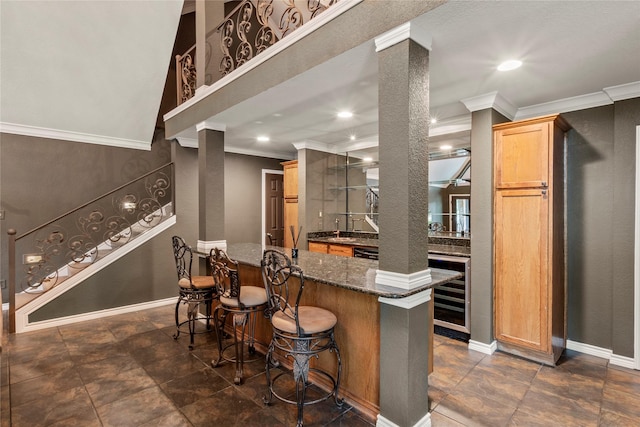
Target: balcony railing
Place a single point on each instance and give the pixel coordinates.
(252, 27)
(46, 256)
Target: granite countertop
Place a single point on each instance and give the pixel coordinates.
(356, 274)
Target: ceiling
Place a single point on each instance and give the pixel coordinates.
(571, 51)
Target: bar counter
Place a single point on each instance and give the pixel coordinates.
(356, 274)
(346, 287)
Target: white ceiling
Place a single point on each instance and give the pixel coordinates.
(569, 49)
(95, 70)
(90, 71)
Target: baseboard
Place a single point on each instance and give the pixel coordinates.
(482, 347)
(34, 326)
(604, 353)
(424, 422)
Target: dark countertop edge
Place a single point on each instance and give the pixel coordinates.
(441, 276)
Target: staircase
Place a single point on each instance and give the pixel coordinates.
(57, 256)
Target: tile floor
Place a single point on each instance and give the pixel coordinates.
(127, 370)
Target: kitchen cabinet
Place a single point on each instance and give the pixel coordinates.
(290, 186)
(329, 248)
(529, 284)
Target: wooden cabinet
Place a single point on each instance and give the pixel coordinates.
(290, 179)
(341, 250)
(328, 248)
(290, 186)
(529, 286)
(318, 247)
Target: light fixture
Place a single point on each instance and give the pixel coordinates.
(367, 159)
(345, 114)
(352, 137)
(434, 120)
(509, 65)
(445, 147)
(263, 138)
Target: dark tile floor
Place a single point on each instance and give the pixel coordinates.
(127, 370)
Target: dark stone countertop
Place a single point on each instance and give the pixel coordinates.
(356, 274)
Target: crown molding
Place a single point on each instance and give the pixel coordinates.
(210, 125)
(187, 142)
(491, 100)
(66, 135)
(401, 33)
(318, 146)
(259, 153)
(622, 92)
(575, 103)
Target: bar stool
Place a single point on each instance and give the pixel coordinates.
(192, 290)
(299, 332)
(241, 302)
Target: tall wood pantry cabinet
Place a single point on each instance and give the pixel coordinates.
(290, 185)
(529, 230)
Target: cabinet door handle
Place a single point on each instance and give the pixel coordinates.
(544, 184)
(544, 192)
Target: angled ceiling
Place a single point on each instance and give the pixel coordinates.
(574, 53)
(91, 71)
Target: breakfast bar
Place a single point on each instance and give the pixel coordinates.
(345, 286)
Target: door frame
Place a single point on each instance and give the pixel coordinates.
(264, 201)
(637, 257)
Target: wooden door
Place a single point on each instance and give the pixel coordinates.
(522, 156)
(521, 269)
(274, 209)
(290, 179)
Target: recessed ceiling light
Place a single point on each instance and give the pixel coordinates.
(263, 138)
(445, 147)
(345, 114)
(367, 159)
(434, 120)
(352, 137)
(509, 65)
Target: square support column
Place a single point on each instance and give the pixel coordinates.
(404, 359)
(211, 189)
(404, 157)
(403, 101)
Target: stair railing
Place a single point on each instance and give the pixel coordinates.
(44, 257)
(186, 75)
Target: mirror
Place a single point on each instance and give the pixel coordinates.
(449, 187)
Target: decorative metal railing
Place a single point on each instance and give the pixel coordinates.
(46, 256)
(248, 30)
(186, 75)
(254, 25)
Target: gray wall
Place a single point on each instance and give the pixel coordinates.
(36, 174)
(243, 196)
(600, 231)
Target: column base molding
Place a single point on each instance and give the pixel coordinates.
(424, 422)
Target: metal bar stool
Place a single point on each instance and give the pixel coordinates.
(192, 290)
(299, 332)
(241, 302)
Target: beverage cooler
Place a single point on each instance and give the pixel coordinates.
(451, 301)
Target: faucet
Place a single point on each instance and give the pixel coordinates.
(337, 232)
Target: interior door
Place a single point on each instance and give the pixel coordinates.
(274, 209)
